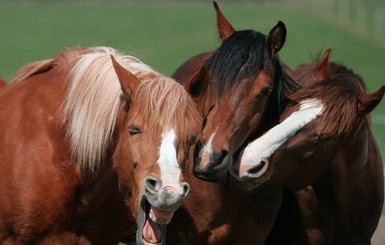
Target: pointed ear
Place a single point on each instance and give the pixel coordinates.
(370, 101)
(225, 29)
(322, 71)
(198, 83)
(276, 38)
(128, 81)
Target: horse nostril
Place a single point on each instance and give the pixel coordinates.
(151, 184)
(258, 167)
(221, 156)
(185, 188)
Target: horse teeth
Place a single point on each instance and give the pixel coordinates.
(160, 221)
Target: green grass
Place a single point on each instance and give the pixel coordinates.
(166, 34)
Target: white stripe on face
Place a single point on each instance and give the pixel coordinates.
(168, 162)
(206, 152)
(208, 148)
(263, 147)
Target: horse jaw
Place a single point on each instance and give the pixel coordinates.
(152, 224)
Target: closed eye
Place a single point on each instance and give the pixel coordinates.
(133, 129)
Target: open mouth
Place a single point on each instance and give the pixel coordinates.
(152, 224)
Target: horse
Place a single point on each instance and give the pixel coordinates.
(324, 149)
(93, 150)
(238, 89)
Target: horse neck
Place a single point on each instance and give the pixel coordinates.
(355, 169)
(351, 192)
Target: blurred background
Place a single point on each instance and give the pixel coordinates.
(165, 33)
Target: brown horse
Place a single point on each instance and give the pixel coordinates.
(92, 144)
(325, 145)
(233, 87)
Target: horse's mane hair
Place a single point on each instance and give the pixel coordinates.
(242, 56)
(341, 98)
(94, 100)
(41, 66)
(29, 69)
(305, 74)
(166, 103)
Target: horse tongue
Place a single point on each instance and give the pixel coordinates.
(152, 232)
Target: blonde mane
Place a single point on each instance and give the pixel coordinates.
(93, 102)
(62, 60)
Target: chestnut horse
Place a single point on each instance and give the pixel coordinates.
(92, 146)
(239, 89)
(325, 145)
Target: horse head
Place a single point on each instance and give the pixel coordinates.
(330, 110)
(233, 89)
(152, 148)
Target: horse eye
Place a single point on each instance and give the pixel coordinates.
(265, 92)
(133, 129)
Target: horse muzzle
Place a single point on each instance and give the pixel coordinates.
(250, 176)
(157, 208)
(211, 166)
(165, 197)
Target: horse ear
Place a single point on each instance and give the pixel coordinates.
(225, 29)
(369, 101)
(323, 67)
(276, 38)
(128, 81)
(198, 82)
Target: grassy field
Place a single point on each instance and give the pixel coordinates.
(166, 34)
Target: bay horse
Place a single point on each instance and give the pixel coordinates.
(93, 147)
(239, 89)
(324, 148)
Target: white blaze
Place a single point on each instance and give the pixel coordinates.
(207, 151)
(263, 147)
(168, 162)
(208, 148)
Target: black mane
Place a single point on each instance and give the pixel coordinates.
(240, 58)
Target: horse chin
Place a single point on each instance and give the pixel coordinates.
(248, 184)
(152, 224)
(260, 175)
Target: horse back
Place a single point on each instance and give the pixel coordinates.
(32, 151)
